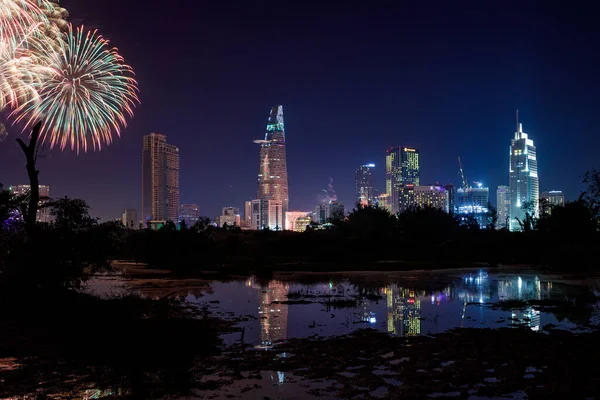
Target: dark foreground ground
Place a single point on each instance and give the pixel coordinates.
(460, 364)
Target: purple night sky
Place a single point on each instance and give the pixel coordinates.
(354, 78)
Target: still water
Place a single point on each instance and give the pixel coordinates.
(273, 310)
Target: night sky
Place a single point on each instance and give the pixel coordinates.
(354, 78)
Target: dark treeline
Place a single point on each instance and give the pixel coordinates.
(561, 237)
(75, 245)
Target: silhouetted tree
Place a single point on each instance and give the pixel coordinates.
(592, 195)
(370, 221)
(201, 225)
(337, 218)
(71, 214)
(574, 219)
(183, 225)
(31, 152)
(427, 222)
(169, 226)
(492, 217)
(529, 220)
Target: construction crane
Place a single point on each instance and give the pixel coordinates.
(462, 174)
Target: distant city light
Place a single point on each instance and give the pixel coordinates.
(370, 165)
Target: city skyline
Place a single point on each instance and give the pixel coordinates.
(346, 99)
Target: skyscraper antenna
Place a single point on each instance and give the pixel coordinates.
(517, 120)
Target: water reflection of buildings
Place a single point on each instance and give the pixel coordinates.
(403, 311)
(475, 289)
(524, 289)
(273, 316)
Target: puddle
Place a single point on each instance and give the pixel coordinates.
(406, 305)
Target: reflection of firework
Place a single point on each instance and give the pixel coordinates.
(328, 195)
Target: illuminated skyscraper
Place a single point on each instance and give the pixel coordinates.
(503, 206)
(267, 214)
(432, 196)
(401, 168)
(247, 221)
(451, 197)
(473, 202)
(524, 181)
(272, 174)
(365, 192)
(160, 179)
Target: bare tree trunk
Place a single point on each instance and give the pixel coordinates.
(34, 183)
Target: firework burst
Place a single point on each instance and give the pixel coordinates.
(18, 16)
(23, 69)
(88, 97)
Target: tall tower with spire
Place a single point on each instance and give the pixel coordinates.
(524, 180)
(272, 173)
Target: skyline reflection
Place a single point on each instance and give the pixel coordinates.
(406, 308)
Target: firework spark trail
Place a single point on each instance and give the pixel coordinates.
(88, 97)
(18, 16)
(23, 69)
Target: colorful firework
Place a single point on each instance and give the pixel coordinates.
(18, 16)
(23, 69)
(88, 97)
(57, 25)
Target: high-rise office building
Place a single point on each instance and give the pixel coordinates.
(411, 196)
(247, 221)
(267, 214)
(524, 180)
(553, 198)
(473, 202)
(160, 179)
(451, 197)
(384, 201)
(401, 168)
(365, 191)
(129, 219)
(272, 173)
(189, 213)
(503, 206)
(432, 196)
(43, 213)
